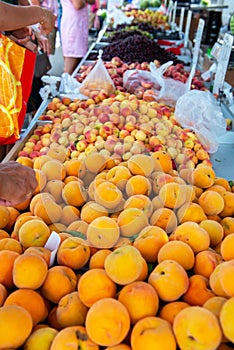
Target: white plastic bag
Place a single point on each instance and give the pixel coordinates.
(200, 112)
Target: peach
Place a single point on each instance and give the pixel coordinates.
(11, 244)
(214, 229)
(54, 170)
(7, 259)
(91, 210)
(169, 279)
(211, 202)
(169, 311)
(205, 262)
(34, 233)
(198, 291)
(73, 252)
(119, 175)
(55, 188)
(3, 294)
(108, 195)
(131, 221)
(61, 276)
(107, 322)
(197, 328)
(103, 232)
(203, 176)
(139, 201)
(129, 262)
(140, 299)
(228, 209)
(138, 184)
(71, 311)
(162, 161)
(41, 338)
(74, 337)
(74, 193)
(226, 319)
(226, 277)
(191, 211)
(141, 164)
(226, 247)
(152, 333)
(149, 241)
(48, 210)
(192, 234)
(75, 167)
(228, 225)
(97, 260)
(119, 347)
(164, 218)
(95, 162)
(94, 285)
(69, 215)
(172, 195)
(178, 251)
(215, 305)
(31, 301)
(29, 271)
(215, 280)
(19, 321)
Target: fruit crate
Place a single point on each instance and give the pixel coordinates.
(19, 144)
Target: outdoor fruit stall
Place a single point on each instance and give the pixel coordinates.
(127, 242)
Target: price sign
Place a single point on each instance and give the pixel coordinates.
(223, 60)
(187, 28)
(197, 45)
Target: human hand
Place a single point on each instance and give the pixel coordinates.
(48, 22)
(43, 43)
(17, 183)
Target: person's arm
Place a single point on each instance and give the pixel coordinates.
(16, 17)
(17, 183)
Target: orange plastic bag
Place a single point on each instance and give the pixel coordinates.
(16, 75)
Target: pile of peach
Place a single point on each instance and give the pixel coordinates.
(145, 260)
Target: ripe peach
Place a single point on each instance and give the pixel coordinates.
(169, 311)
(214, 229)
(198, 291)
(108, 195)
(211, 202)
(129, 262)
(7, 259)
(73, 252)
(198, 328)
(169, 279)
(164, 218)
(34, 233)
(149, 241)
(103, 232)
(152, 333)
(40, 338)
(226, 319)
(172, 195)
(205, 262)
(215, 280)
(140, 299)
(91, 210)
(94, 285)
(141, 164)
(131, 221)
(191, 211)
(113, 331)
(97, 260)
(138, 184)
(139, 201)
(118, 175)
(215, 305)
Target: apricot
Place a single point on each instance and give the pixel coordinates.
(138, 184)
(228, 225)
(141, 164)
(164, 218)
(192, 234)
(61, 276)
(215, 305)
(71, 311)
(152, 333)
(140, 299)
(172, 195)
(103, 232)
(19, 321)
(187, 328)
(160, 179)
(220, 181)
(129, 263)
(39, 197)
(40, 338)
(169, 311)
(29, 271)
(7, 259)
(34, 233)
(4, 216)
(203, 176)
(73, 336)
(73, 252)
(74, 193)
(75, 167)
(54, 170)
(169, 279)
(226, 319)
(55, 188)
(107, 322)
(78, 225)
(211, 202)
(149, 241)
(228, 209)
(131, 221)
(215, 280)
(108, 195)
(139, 201)
(226, 277)
(48, 210)
(14, 214)
(92, 210)
(178, 251)
(42, 251)
(214, 229)
(191, 211)
(31, 301)
(162, 161)
(205, 262)
(11, 244)
(118, 175)
(97, 260)
(94, 285)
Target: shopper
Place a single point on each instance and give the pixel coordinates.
(15, 17)
(17, 183)
(51, 5)
(74, 32)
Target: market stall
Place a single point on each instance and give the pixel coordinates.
(126, 243)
